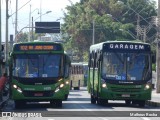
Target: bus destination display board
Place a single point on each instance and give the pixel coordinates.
(37, 47)
(127, 46)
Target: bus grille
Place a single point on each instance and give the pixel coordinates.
(38, 93)
(125, 89)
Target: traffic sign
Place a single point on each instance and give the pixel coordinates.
(47, 27)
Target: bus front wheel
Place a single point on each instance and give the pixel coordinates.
(102, 101)
(141, 103)
(93, 99)
(128, 102)
(66, 97)
(56, 103)
(19, 104)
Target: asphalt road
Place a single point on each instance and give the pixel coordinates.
(78, 105)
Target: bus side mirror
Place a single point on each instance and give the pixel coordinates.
(10, 54)
(100, 58)
(153, 58)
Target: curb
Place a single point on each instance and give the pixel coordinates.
(153, 104)
(2, 104)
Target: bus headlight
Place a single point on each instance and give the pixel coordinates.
(147, 86)
(104, 85)
(15, 86)
(57, 89)
(67, 82)
(61, 85)
(60, 79)
(19, 90)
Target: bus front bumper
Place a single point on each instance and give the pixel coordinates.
(111, 95)
(38, 95)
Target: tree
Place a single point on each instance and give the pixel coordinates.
(23, 37)
(79, 18)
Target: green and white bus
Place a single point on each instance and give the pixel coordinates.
(77, 76)
(120, 70)
(39, 71)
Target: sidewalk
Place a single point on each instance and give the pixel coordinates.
(155, 100)
(3, 102)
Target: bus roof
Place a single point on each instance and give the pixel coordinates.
(37, 42)
(99, 46)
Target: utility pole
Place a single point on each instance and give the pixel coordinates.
(29, 34)
(158, 51)
(40, 16)
(144, 34)
(32, 28)
(40, 10)
(6, 42)
(16, 20)
(0, 42)
(93, 39)
(138, 26)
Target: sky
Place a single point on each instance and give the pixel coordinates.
(56, 6)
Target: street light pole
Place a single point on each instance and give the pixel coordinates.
(93, 39)
(29, 38)
(6, 42)
(40, 10)
(138, 26)
(16, 20)
(0, 41)
(29, 34)
(158, 51)
(131, 34)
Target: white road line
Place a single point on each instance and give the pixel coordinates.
(103, 118)
(145, 118)
(86, 108)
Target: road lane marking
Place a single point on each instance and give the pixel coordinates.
(103, 118)
(145, 118)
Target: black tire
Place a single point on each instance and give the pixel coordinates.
(128, 102)
(19, 104)
(56, 103)
(66, 97)
(134, 102)
(102, 101)
(52, 103)
(141, 103)
(59, 103)
(76, 88)
(93, 99)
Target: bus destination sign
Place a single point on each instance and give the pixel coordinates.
(40, 47)
(127, 46)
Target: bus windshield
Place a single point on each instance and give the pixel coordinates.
(126, 66)
(33, 65)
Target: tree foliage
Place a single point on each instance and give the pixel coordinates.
(110, 18)
(23, 37)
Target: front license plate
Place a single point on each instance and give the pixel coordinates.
(38, 94)
(125, 95)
